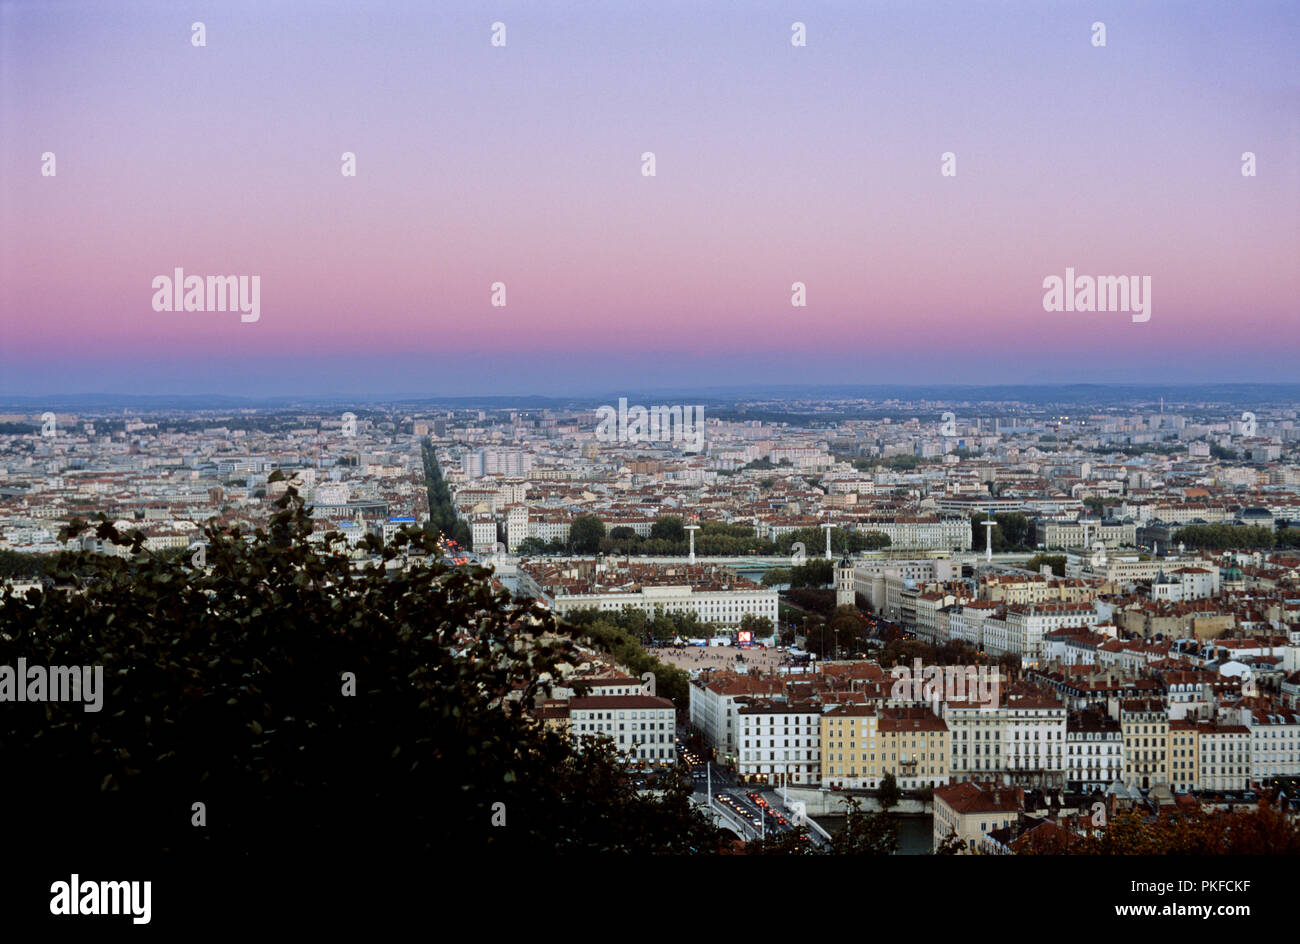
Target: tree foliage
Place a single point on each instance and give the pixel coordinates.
(1011, 532)
(585, 534)
(225, 686)
(1054, 561)
(889, 793)
(442, 512)
(1263, 830)
(622, 636)
(1221, 537)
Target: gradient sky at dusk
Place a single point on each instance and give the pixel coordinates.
(775, 164)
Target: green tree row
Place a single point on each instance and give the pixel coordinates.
(1220, 537)
(668, 538)
(442, 511)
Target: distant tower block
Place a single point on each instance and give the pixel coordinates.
(692, 528)
(844, 593)
(828, 526)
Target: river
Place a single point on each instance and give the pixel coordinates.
(915, 832)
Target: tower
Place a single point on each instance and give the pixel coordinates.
(828, 527)
(844, 592)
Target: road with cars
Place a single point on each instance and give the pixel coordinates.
(758, 809)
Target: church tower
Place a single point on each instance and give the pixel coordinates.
(844, 592)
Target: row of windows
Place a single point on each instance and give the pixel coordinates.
(893, 756)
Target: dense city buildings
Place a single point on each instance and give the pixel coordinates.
(1128, 580)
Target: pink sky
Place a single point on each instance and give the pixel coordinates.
(521, 165)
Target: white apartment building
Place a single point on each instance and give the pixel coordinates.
(516, 526)
(331, 493)
(966, 621)
(779, 743)
(1142, 512)
(715, 706)
(1056, 533)
(921, 533)
(932, 620)
(1021, 741)
(1225, 755)
(1094, 752)
(641, 727)
(483, 533)
(495, 461)
(1021, 632)
(1274, 742)
(550, 527)
(725, 607)
(1197, 583)
(640, 525)
(598, 687)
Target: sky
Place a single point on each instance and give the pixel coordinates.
(522, 164)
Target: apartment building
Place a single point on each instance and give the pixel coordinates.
(850, 745)
(1274, 742)
(483, 534)
(1184, 755)
(780, 743)
(966, 621)
(1224, 755)
(1094, 751)
(1144, 724)
(714, 595)
(641, 727)
(913, 747)
(920, 532)
(1022, 631)
(1055, 533)
(715, 703)
(970, 810)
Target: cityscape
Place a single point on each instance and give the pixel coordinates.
(1126, 573)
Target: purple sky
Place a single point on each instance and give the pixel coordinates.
(521, 164)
